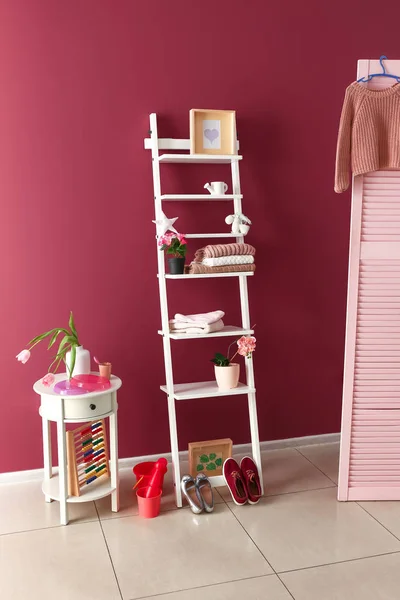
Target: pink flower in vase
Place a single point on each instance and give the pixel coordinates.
(23, 356)
(48, 379)
(246, 345)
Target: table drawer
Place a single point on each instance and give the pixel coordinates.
(82, 408)
(78, 408)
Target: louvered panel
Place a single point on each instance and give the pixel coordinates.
(381, 215)
(374, 456)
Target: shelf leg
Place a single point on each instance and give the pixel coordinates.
(176, 470)
(255, 439)
(114, 455)
(47, 459)
(62, 466)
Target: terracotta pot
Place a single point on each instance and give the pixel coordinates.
(105, 370)
(227, 377)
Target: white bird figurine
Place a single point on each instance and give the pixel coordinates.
(240, 223)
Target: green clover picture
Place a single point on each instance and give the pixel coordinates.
(209, 462)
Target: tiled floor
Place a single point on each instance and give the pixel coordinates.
(297, 543)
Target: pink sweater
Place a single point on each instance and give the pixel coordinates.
(369, 132)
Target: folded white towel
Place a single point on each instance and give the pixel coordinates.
(194, 328)
(235, 259)
(199, 319)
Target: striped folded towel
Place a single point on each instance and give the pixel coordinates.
(197, 267)
(216, 250)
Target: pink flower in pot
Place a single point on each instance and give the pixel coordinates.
(174, 245)
(226, 372)
(246, 345)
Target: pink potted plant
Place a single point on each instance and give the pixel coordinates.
(226, 371)
(175, 245)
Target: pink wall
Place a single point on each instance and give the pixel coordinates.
(78, 80)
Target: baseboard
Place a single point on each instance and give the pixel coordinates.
(124, 463)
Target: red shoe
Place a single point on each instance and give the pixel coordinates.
(250, 475)
(235, 481)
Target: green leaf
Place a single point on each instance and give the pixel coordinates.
(62, 348)
(53, 338)
(211, 467)
(204, 458)
(218, 462)
(213, 456)
(72, 325)
(220, 360)
(41, 337)
(200, 468)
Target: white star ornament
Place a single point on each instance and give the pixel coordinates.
(163, 224)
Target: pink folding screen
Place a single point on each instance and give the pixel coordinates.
(370, 443)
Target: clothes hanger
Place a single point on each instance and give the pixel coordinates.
(383, 74)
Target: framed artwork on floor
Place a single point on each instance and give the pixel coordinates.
(209, 456)
(213, 131)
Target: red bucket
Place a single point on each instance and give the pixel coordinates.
(144, 470)
(148, 507)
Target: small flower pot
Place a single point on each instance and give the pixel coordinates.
(105, 370)
(176, 265)
(227, 377)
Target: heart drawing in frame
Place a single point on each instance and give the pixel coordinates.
(211, 135)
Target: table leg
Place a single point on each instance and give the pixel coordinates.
(62, 467)
(47, 460)
(114, 455)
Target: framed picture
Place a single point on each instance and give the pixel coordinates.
(213, 131)
(208, 457)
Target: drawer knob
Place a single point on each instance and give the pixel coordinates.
(92, 407)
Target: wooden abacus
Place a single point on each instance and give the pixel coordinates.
(87, 456)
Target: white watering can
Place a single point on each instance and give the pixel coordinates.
(217, 188)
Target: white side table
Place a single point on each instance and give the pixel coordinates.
(77, 409)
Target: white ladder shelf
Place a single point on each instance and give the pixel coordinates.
(207, 389)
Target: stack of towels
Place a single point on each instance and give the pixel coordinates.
(200, 323)
(222, 258)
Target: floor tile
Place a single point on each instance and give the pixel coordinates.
(22, 507)
(128, 501)
(179, 550)
(55, 564)
(387, 513)
(375, 578)
(325, 457)
(286, 471)
(260, 588)
(311, 528)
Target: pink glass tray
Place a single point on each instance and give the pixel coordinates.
(91, 383)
